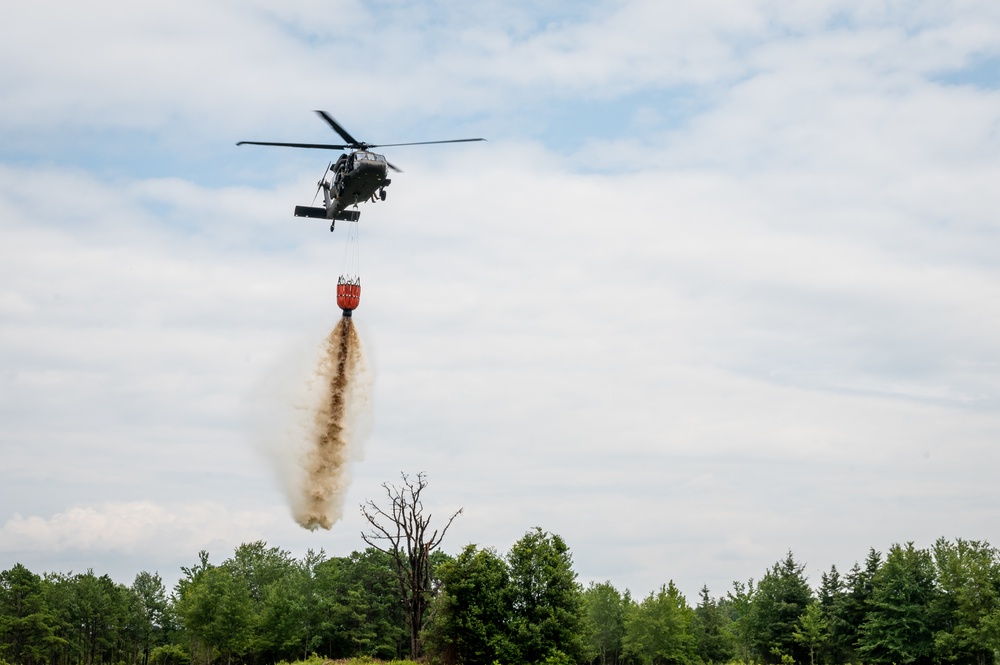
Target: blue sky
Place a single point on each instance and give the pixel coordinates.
(722, 283)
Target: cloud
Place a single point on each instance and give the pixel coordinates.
(136, 527)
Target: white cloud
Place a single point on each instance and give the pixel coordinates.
(135, 527)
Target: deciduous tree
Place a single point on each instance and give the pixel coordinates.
(402, 530)
(471, 617)
(968, 606)
(811, 631)
(150, 610)
(658, 630)
(216, 607)
(743, 619)
(605, 611)
(546, 600)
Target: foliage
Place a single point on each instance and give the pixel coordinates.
(557, 657)
(712, 630)
(833, 599)
(361, 612)
(658, 630)
(898, 625)
(470, 618)
(967, 608)
(263, 606)
(741, 604)
(812, 630)
(216, 608)
(169, 654)
(546, 601)
(25, 623)
(149, 611)
(854, 607)
(604, 608)
(526, 607)
(781, 597)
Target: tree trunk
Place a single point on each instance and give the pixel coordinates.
(403, 527)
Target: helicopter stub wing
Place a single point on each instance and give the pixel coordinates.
(320, 213)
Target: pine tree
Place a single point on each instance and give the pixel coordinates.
(898, 627)
(713, 642)
(782, 596)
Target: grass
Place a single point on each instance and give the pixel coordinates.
(317, 660)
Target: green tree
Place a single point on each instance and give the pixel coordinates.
(217, 609)
(100, 613)
(968, 606)
(742, 618)
(852, 610)
(360, 612)
(470, 618)
(150, 609)
(60, 597)
(546, 600)
(713, 641)
(266, 574)
(26, 628)
(169, 654)
(182, 608)
(658, 630)
(258, 566)
(812, 630)
(781, 598)
(282, 618)
(839, 645)
(898, 627)
(291, 617)
(604, 608)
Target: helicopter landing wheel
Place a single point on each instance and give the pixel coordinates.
(381, 194)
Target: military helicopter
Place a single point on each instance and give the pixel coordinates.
(355, 177)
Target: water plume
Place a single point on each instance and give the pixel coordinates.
(326, 470)
(309, 419)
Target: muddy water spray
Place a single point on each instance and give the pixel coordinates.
(326, 474)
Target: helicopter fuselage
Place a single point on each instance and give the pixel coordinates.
(355, 178)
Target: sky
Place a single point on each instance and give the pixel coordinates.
(723, 282)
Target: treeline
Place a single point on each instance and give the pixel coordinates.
(262, 606)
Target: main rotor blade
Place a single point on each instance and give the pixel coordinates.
(337, 128)
(393, 167)
(320, 146)
(392, 145)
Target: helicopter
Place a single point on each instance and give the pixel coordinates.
(354, 178)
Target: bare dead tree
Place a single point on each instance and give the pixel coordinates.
(401, 530)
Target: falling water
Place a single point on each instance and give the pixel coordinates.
(344, 395)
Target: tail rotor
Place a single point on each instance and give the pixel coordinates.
(319, 185)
